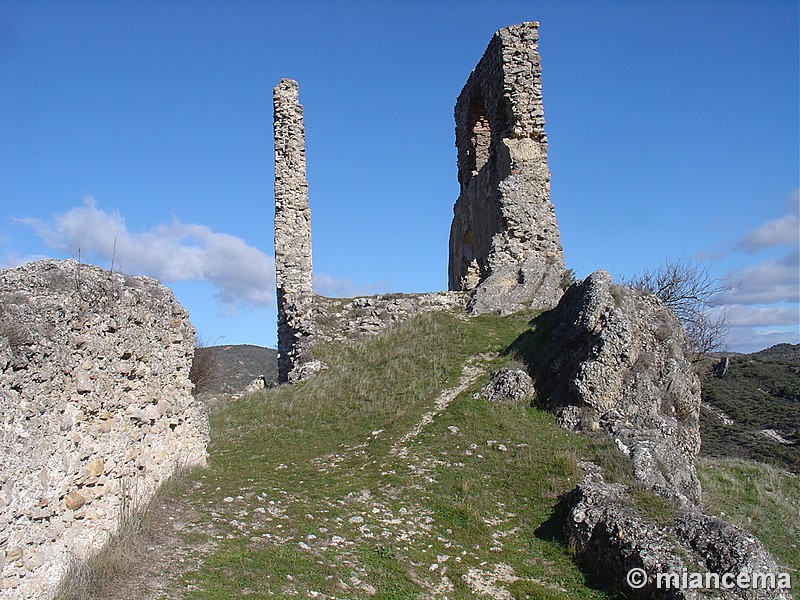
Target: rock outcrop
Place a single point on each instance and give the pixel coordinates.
(606, 528)
(293, 276)
(508, 386)
(96, 408)
(504, 240)
(620, 357)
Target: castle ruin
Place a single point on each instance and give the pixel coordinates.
(505, 247)
(293, 277)
(504, 240)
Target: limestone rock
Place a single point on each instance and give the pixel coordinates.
(74, 500)
(504, 239)
(726, 548)
(82, 352)
(95, 468)
(508, 386)
(621, 355)
(606, 529)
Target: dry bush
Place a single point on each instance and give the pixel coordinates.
(690, 291)
(95, 576)
(99, 576)
(13, 329)
(205, 371)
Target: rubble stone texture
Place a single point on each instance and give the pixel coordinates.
(292, 236)
(621, 356)
(96, 407)
(341, 320)
(508, 386)
(606, 529)
(504, 238)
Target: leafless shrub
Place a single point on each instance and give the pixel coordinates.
(205, 371)
(690, 291)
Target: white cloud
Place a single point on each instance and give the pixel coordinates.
(763, 297)
(784, 231)
(176, 252)
(769, 316)
(779, 232)
(766, 282)
(748, 339)
(11, 259)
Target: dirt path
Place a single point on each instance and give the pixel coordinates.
(358, 512)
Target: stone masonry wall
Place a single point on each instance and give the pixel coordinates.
(96, 411)
(504, 238)
(292, 235)
(341, 320)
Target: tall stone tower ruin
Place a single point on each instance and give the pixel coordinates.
(504, 239)
(292, 235)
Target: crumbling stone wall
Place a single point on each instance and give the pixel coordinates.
(504, 238)
(96, 410)
(293, 274)
(345, 319)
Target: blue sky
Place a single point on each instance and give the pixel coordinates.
(673, 130)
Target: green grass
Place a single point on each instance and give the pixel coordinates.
(311, 489)
(760, 498)
(757, 393)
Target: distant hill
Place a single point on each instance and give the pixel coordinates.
(753, 410)
(230, 368)
(783, 352)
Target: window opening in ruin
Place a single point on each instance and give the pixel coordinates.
(480, 135)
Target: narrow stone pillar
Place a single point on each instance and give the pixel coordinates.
(292, 235)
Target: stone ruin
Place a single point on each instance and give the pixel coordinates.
(505, 245)
(293, 276)
(96, 407)
(613, 358)
(505, 248)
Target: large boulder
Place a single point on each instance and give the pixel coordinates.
(97, 411)
(608, 530)
(620, 356)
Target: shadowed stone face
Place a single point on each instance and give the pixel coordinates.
(292, 234)
(504, 239)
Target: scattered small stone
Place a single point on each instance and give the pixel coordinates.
(74, 500)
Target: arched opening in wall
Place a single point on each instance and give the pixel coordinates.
(480, 133)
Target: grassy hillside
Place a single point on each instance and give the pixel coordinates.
(383, 477)
(753, 412)
(760, 498)
(343, 486)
